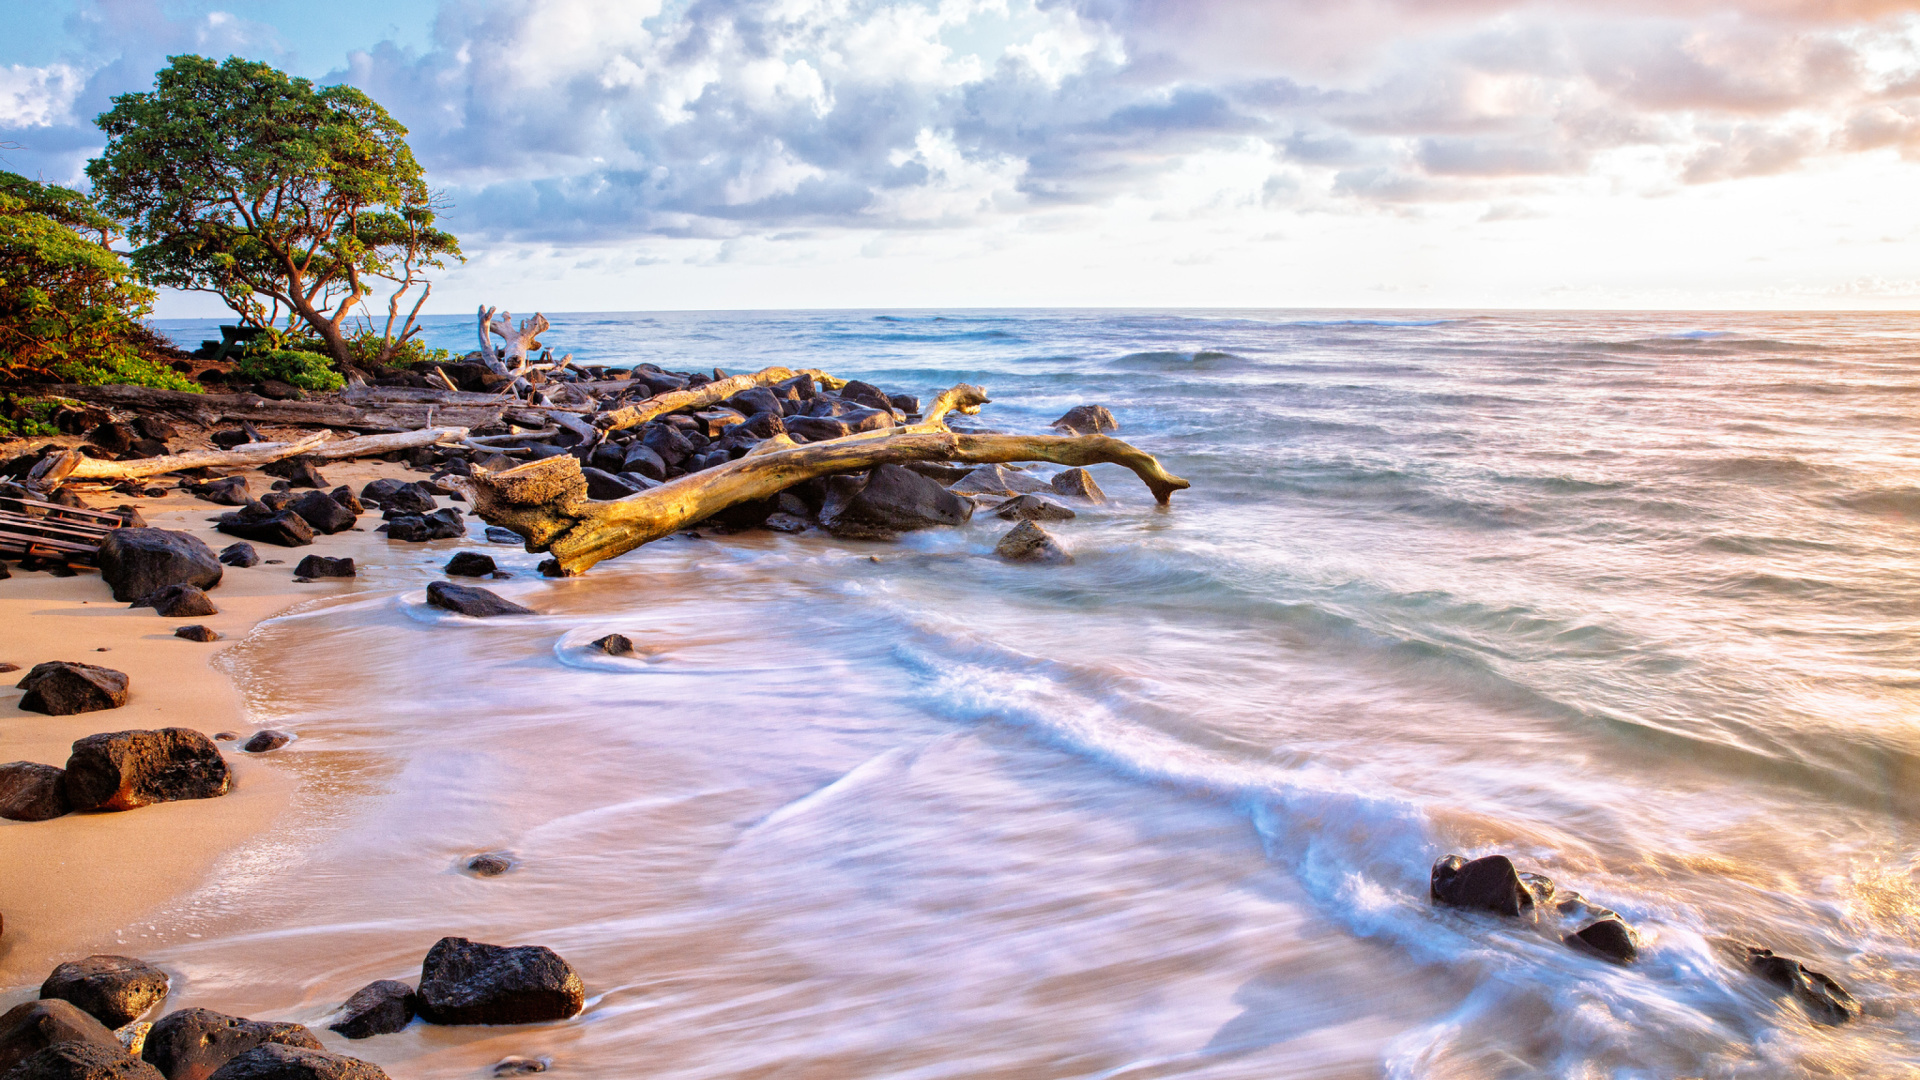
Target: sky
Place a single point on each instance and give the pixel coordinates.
(610, 155)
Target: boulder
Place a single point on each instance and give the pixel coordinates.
(643, 460)
(32, 1026)
(1078, 484)
(467, 982)
(345, 497)
(179, 602)
(273, 1061)
(1489, 883)
(192, 1044)
(83, 1061)
(283, 528)
(197, 632)
(606, 485)
(816, 428)
(859, 420)
(755, 402)
(319, 566)
(242, 555)
(489, 864)
(1609, 939)
(226, 491)
(999, 480)
(115, 990)
(30, 791)
(297, 471)
(139, 562)
(1029, 543)
(467, 600)
(1087, 420)
(1032, 508)
(63, 688)
(470, 564)
(378, 1008)
(905, 403)
(666, 441)
(1823, 998)
(266, 739)
(122, 770)
(500, 535)
(392, 494)
(615, 645)
(322, 511)
(889, 500)
(944, 471)
(866, 394)
(786, 523)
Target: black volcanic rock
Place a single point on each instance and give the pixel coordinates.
(467, 982)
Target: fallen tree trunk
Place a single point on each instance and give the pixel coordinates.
(374, 411)
(712, 393)
(320, 444)
(546, 502)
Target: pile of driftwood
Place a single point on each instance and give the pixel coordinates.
(583, 462)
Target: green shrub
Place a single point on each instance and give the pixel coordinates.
(28, 418)
(306, 370)
(68, 304)
(365, 347)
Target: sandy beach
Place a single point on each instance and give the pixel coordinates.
(90, 883)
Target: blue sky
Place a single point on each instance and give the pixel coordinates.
(610, 155)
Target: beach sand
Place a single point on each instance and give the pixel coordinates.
(86, 883)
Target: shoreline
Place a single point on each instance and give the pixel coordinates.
(90, 883)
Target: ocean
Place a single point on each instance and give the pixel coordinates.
(1628, 597)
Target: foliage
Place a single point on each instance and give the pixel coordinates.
(26, 418)
(295, 367)
(281, 198)
(68, 304)
(369, 348)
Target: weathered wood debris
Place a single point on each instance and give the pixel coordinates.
(584, 462)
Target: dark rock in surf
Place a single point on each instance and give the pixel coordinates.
(115, 990)
(886, 501)
(197, 632)
(521, 1066)
(139, 562)
(615, 645)
(1078, 484)
(1486, 884)
(783, 522)
(82, 1061)
(33, 1026)
(179, 602)
(64, 688)
(122, 770)
(319, 566)
(1032, 508)
(1824, 999)
(500, 535)
(322, 511)
(905, 403)
(378, 1008)
(1087, 420)
(1027, 542)
(999, 480)
(1609, 939)
(468, 600)
(946, 472)
(471, 564)
(242, 555)
(30, 791)
(489, 864)
(467, 982)
(266, 739)
(272, 1061)
(192, 1044)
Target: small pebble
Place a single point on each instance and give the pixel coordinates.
(9, 667)
(521, 1066)
(274, 562)
(103, 648)
(225, 736)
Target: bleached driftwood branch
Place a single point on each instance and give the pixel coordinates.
(320, 444)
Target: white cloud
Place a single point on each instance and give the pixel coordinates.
(32, 97)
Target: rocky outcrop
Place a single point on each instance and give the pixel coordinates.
(1087, 420)
(123, 770)
(115, 990)
(137, 563)
(468, 600)
(32, 1026)
(30, 791)
(467, 982)
(886, 501)
(82, 1061)
(1029, 543)
(65, 687)
(378, 1008)
(319, 566)
(1823, 998)
(192, 1044)
(179, 602)
(470, 564)
(273, 1061)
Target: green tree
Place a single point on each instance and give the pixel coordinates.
(286, 200)
(69, 305)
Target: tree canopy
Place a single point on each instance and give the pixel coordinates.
(285, 199)
(69, 304)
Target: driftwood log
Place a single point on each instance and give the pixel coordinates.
(372, 408)
(546, 501)
(320, 444)
(712, 393)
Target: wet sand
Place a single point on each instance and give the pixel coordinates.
(92, 882)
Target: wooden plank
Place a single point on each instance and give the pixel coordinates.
(57, 508)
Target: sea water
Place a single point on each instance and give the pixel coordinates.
(1630, 598)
